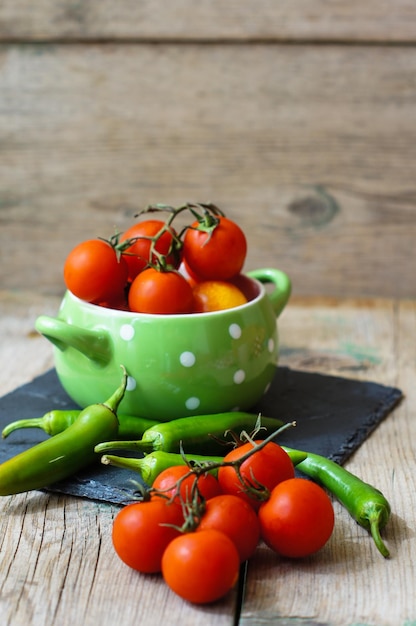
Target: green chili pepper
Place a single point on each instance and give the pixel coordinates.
(64, 454)
(201, 434)
(365, 503)
(152, 464)
(52, 423)
(155, 462)
(56, 421)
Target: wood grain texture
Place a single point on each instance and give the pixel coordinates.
(310, 148)
(293, 20)
(58, 564)
(348, 582)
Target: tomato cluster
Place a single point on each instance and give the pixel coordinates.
(197, 528)
(153, 268)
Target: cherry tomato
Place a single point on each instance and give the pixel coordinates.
(265, 468)
(93, 272)
(138, 255)
(188, 273)
(118, 304)
(142, 530)
(235, 518)
(166, 482)
(216, 295)
(216, 255)
(201, 567)
(164, 292)
(298, 518)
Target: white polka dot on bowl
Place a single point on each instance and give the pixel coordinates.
(127, 332)
(131, 383)
(235, 331)
(187, 359)
(192, 403)
(239, 377)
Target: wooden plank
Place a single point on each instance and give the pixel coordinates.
(348, 582)
(212, 20)
(59, 566)
(311, 149)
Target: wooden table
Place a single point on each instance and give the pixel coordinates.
(57, 562)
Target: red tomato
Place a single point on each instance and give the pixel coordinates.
(164, 292)
(235, 518)
(120, 305)
(166, 482)
(93, 272)
(188, 273)
(142, 530)
(216, 255)
(265, 468)
(201, 567)
(138, 255)
(298, 518)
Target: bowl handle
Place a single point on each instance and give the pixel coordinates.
(94, 344)
(282, 286)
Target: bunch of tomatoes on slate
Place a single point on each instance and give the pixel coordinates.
(154, 268)
(196, 527)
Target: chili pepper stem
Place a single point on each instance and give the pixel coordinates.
(152, 464)
(125, 445)
(117, 461)
(114, 400)
(374, 520)
(30, 422)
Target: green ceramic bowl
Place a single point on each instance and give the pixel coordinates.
(178, 365)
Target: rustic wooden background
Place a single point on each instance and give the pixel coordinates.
(297, 117)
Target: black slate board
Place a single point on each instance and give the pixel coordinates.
(334, 416)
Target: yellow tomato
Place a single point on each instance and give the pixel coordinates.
(215, 295)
